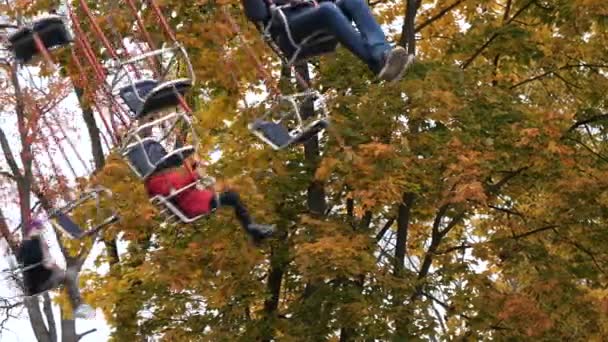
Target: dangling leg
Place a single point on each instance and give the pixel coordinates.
(81, 310)
(328, 17)
(393, 61)
(370, 47)
(257, 231)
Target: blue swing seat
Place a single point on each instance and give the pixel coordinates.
(148, 96)
(51, 30)
(148, 156)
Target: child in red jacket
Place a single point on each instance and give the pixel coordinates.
(195, 201)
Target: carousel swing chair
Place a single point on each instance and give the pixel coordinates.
(41, 274)
(146, 155)
(50, 29)
(144, 96)
(61, 220)
(284, 44)
(290, 128)
(37, 277)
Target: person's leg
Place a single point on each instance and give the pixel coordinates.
(81, 310)
(369, 45)
(368, 27)
(232, 199)
(328, 17)
(56, 276)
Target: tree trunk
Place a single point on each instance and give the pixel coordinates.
(94, 132)
(68, 328)
(403, 222)
(36, 320)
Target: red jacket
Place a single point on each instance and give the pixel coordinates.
(192, 202)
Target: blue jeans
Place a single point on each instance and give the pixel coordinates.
(368, 43)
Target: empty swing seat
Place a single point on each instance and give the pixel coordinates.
(52, 33)
(148, 96)
(149, 156)
(64, 223)
(278, 136)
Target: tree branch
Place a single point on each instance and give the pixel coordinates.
(408, 32)
(8, 155)
(382, 231)
(587, 121)
(437, 16)
(47, 306)
(80, 336)
(494, 36)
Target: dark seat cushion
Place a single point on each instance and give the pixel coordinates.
(274, 132)
(52, 33)
(150, 156)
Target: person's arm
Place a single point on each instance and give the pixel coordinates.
(256, 10)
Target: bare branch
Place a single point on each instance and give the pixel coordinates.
(5, 232)
(587, 121)
(588, 149)
(494, 36)
(47, 306)
(438, 16)
(8, 155)
(382, 231)
(80, 336)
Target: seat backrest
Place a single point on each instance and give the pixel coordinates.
(130, 96)
(150, 156)
(144, 156)
(67, 225)
(256, 10)
(51, 31)
(165, 95)
(275, 133)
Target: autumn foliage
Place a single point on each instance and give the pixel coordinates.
(466, 202)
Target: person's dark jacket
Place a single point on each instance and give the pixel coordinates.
(30, 253)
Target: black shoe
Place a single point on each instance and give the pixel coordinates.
(260, 231)
(394, 63)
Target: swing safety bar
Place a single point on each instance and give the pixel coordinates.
(60, 219)
(121, 72)
(278, 135)
(172, 211)
(134, 134)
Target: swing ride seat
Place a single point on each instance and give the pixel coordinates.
(277, 32)
(148, 156)
(148, 96)
(317, 44)
(278, 136)
(50, 29)
(64, 223)
(173, 210)
(277, 133)
(60, 219)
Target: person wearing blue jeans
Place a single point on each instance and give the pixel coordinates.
(367, 42)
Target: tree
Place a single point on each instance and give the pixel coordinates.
(33, 101)
(465, 202)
